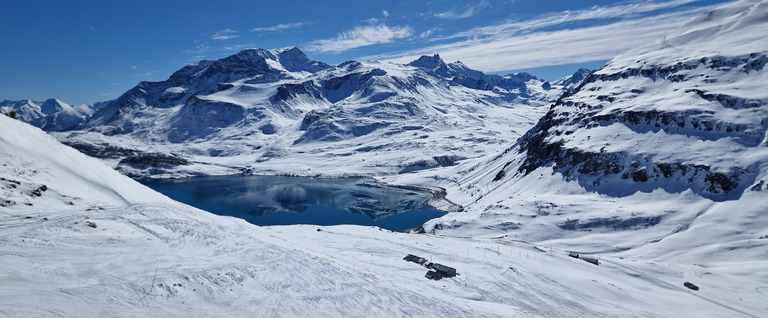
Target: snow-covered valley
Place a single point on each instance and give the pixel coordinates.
(655, 167)
(279, 112)
(79, 250)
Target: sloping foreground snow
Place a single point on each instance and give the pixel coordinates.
(124, 250)
(40, 173)
(154, 260)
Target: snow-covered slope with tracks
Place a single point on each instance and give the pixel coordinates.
(94, 243)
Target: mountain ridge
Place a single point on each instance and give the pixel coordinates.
(50, 115)
(263, 105)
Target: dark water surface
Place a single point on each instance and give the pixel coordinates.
(278, 200)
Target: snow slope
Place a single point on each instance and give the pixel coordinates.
(661, 154)
(656, 166)
(38, 173)
(278, 112)
(124, 250)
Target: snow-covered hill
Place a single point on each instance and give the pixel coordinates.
(662, 154)
(50, 115)
(277, 111)
(81, 240)
(681, 118)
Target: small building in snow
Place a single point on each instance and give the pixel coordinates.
(433, 275)
(444, 270)
(414, 259)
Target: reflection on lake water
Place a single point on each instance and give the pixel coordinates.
(279, 200)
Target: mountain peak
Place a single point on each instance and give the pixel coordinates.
(291, 49)
(430, 62)
(291, 58)
(571, 81)
(679, 101)
(52, 105)
(253, 54)
(294, 59)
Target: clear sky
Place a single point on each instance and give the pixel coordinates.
(87, 51)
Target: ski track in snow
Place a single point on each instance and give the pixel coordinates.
(210, 264)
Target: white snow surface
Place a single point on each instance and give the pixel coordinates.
(626, 164)
(124, 250)
(95, 243)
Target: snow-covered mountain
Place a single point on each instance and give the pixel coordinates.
(465, 76)
(662, 154)
(572, 81)
(686, 116)
(50, 115)
(81, 240)
(277, 111)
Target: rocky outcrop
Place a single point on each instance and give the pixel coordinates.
(708, 119)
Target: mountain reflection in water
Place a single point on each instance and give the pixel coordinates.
(280, 200)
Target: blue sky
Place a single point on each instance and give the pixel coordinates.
(89, 51)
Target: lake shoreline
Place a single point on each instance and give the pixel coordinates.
(267, 200)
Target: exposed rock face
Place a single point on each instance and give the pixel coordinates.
(671, 115)
(463, 75)
(144, 160)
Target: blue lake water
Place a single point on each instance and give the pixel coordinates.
(278, 200)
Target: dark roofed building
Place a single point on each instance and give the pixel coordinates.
(433, 275)
(445, 270)
(415, 259)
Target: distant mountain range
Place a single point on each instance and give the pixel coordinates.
(50, 115)
(277, 111)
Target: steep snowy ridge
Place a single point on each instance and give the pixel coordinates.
(697, 112)
(277, 111)
(149, 98)
(572, 81)
(33, 179)
(459, 73)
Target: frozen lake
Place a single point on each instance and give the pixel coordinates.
(279, 200)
